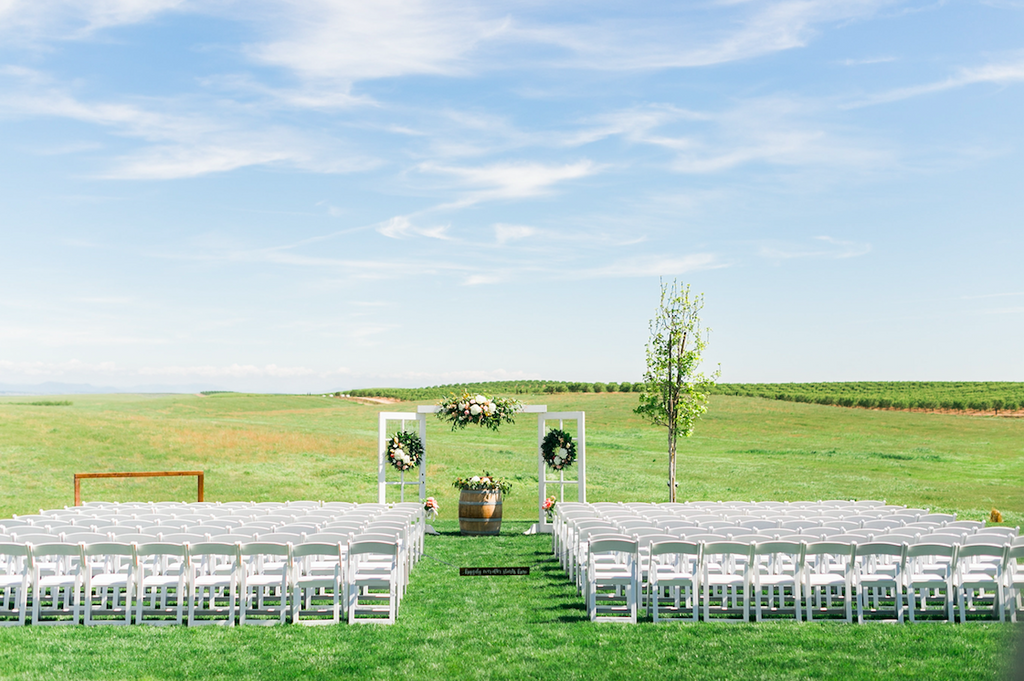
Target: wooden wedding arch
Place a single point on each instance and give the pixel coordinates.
(418, 419)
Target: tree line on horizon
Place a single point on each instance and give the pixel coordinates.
(981, 396)
(994, 396)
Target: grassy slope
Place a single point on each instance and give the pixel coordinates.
(280, 447)
(263, 447)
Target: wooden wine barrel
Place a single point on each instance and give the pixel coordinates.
(479, 512)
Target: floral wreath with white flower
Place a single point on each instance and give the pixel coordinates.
(558, 449)
(462, 410)
(404, 450)
(485, 482)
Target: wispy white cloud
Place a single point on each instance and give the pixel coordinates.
(866, 61)
(228, 371)
(505, 233)
(827, 247)
(742, 30)
(479, 279)
(22, 20)
(997, 73)
(326, 41)
(14, 370)
(510, 180)
(774, 130)
(1004, 310)
(652, 266)
(322, 97)
(47, 335)
(400, 227)
(181, 144)
(992, 295)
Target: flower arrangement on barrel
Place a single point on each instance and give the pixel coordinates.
(404, 450)
(483, 483)
(558, 449)
(465, 409)
(480, 503)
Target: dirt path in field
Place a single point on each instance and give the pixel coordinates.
(371, 400)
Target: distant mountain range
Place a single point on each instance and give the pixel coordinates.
(54, 388)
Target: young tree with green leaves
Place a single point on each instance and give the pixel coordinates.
(675, 394)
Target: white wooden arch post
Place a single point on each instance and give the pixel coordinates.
(382, 464)
(543, 416)
(543, 526)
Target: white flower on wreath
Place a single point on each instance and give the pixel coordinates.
(480, 399)
(475, 410)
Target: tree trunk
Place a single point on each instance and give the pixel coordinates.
(671, 466)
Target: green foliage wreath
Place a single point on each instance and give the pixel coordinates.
(404, 450)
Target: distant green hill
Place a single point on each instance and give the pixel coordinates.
(958, 396)
(950, 395)
(490, 388)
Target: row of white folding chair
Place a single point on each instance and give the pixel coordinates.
(589, 529)
(221, 575)
(921, 571)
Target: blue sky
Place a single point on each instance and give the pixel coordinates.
(302, 196)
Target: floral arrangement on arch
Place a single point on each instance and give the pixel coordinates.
(462, 410)
(558, 449)
(404, 450)
(485, 482)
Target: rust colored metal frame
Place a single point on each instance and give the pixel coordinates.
(135, 474)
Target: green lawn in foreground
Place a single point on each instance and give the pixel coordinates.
(453, 627)
(286, 447)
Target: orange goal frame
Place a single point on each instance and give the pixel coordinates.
(136, 474)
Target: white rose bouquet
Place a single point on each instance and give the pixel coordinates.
(462, 410)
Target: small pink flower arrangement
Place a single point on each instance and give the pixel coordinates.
(549, 506)
(431, 507)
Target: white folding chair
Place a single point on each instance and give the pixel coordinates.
(365, 581)
(674, 576)
(160, 592)
(263, 584)
(977, 582)
(828, 576)
(213, 569)
(109, 582)
(929, 569)
(1013, 572)
(777, 566)
(879, 568)
(64, 576)
(613, 580)
(725, 573)
(15, 575)
(317, 573)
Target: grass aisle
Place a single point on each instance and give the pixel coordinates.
(507, 628)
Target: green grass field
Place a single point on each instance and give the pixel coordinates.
(288, 447)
